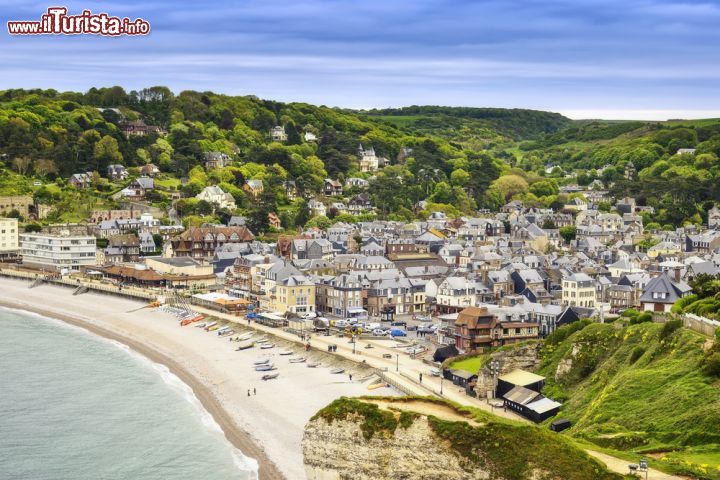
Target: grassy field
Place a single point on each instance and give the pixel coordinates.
(472, 364)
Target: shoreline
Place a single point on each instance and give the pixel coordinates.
(237, 436)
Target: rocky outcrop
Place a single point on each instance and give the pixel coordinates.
(428, 439)
(524, 357)
(339, 451)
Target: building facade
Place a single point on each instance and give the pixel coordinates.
(58, 251)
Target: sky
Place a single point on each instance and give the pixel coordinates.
(614, 59)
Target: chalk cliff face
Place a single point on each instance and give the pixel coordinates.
(339, 451)
(428, 439)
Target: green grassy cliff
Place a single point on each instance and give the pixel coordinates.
(639, 388)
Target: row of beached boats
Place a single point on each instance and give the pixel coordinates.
(247, 341)
(185, 316)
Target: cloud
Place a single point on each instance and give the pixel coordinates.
(589, 55)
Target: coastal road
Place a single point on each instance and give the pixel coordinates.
(404, 372)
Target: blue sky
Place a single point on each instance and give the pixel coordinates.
(585, 58)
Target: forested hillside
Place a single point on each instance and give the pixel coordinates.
(455, 160)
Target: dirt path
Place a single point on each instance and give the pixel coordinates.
(621, 466)
(443, 412)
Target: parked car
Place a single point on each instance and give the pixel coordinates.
(398, 333)
(411, 328)
(307, 315)
(341, 323)
(399, 324)
(423, 318)
(435, 372)
(379, 332)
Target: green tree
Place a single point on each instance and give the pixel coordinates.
(106, 152)
(568, 233)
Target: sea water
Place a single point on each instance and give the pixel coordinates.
(76, 406)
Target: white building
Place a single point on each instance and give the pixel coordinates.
(317, 208)
(277, 133)
(578, 290)
(217, 197)
(368, 160)
(58, 251)
(8, 237)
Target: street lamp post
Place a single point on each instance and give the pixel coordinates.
(442, 377)
(495, 369)
(397, 362)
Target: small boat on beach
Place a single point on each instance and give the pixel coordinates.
(261, 361)
(265, 367)
(335, 371)
(190, 320)
(285, 352)
(373, 386)
(244, 336)
(297, 360)
(245, 346)
(266, 346)
(210, 325)
(270, 376)
(313, 364)
(201, 325)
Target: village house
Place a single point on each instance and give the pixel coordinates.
(277, 134)
(293, 294)
(254, 187)
(332, 188)
(476, 329)
(339, 296)
(124, 248)
(578, 289)
(117, 172)
(138, 128)
(81, 180)
(213, 160)
(138, 188)
(217, 197)
(662, 292)
(199, 242)
(356, 182)
(149, 170)
(453, 294)
(360, 204)
(316, 208)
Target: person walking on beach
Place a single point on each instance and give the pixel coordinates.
(421, 378)
(254, 391)
(248, 392)
(350, 375)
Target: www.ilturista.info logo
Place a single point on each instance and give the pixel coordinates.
(56, 21)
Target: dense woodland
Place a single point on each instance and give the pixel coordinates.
(455, 159)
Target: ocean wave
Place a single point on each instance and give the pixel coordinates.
(241, 461)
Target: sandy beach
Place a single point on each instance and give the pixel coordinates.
(267, 426)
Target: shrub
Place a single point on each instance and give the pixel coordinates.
(641, 318)
(712, 365)
(630, 313)
(559, 335)
(669, 328)
(636, 354)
